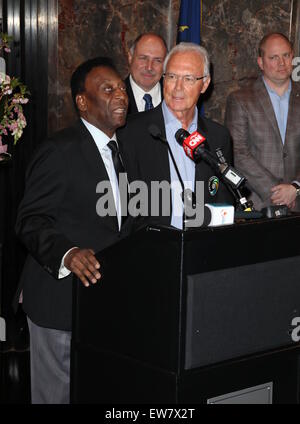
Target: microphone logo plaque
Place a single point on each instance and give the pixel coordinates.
(213, 185)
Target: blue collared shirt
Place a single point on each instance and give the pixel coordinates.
(281, 107)
(185, 165)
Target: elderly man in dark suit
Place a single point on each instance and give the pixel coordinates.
(146, 58)
(59, 225)
(186, 77)
(263, 120)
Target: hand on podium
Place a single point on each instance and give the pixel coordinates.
(83, 263)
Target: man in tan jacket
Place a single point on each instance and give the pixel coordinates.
(263, 120)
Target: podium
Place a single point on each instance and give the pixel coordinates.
(202, 316)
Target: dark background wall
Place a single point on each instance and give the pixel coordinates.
(231, 31)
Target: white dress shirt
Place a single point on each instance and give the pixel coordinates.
(101, 140)
(139, 93)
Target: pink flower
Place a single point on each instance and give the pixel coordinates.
(12, 96)
(3, 148)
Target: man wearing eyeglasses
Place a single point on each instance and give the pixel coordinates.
(186, 77)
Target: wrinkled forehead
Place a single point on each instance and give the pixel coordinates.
(149, 44)
(102, 73)
(189, 62)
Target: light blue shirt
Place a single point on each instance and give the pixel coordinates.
(281, 107)
(185, 165)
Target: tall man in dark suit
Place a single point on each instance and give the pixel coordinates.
(59, 225)
(263, 120)
(186, 77)
(146, 58)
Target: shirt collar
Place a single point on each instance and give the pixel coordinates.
(170, 118)
(155, 91)
(100, 138)
(271, 91)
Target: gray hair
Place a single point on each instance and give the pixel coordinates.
(190, 47)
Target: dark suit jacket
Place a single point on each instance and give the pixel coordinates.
(147, 158)
(258, 149)
(132, 107)
(58, 212)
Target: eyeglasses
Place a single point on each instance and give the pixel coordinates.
(187, 79)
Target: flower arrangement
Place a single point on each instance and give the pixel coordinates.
(13, 95)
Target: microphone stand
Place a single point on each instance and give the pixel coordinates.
(155, 133)
(228, 174)
(181, 183)
(244, 204)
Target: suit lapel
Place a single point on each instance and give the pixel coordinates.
(202, 129)
(266, 104)
(293, 118)
(95, 164)
(162, 152)
(132, 107)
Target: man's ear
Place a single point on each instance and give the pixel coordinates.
(205, 85)
(129, 57)
(260, 63)
(81, 102)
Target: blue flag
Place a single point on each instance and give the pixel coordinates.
(189, 25)
(189, 28)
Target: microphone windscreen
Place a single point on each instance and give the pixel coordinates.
(154, 131)
(181, 135)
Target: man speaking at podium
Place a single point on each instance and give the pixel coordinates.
(186, 77)
(59, 225)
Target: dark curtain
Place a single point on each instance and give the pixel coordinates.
(27, 21)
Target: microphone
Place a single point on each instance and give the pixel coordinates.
(195, 148)
(156, 133)
(187, 194)
(213, 214)
(220, 155)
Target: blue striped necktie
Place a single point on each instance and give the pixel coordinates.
(148, 100)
